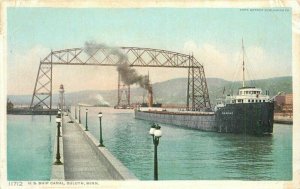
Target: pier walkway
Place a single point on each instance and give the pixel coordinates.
(83, 159)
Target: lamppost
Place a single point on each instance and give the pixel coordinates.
(75, 112)
(58, 121)
(61, 96)
(79, 120)
(100, 140)
(156, 134)
(59, 114)
(86, 114)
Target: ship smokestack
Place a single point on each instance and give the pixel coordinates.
(148, 87)
(150, 96)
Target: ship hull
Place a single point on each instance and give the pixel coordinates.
(199, 121)
(248, 118)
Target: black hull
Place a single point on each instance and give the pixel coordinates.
(248, 118)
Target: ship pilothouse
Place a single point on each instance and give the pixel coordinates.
(247, 95)
(244, 95)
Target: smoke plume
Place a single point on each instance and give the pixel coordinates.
(101, 100)
(128, 75)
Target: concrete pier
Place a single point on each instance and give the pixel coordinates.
(83, 159)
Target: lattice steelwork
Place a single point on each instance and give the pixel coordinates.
(197, 91)
(42, 94)
(197, 94)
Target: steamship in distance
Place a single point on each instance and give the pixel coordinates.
(248, 112)
(149, 102)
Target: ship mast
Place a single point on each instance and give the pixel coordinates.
(243, 64)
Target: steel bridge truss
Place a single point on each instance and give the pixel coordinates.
(197, 91)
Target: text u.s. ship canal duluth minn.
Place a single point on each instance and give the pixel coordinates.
(52, 183)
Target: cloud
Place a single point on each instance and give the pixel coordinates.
(256, 63)
(227, 64)
(22, 69)
(262, 64)
(216, 63)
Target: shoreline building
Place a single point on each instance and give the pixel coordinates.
(284, 103)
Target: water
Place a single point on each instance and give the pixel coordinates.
(29, 147)
(183, 154)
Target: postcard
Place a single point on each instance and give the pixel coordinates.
(150, 94)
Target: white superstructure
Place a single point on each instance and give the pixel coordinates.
(247, 95)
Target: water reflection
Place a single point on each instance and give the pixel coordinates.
(246, 157)
(130, 143)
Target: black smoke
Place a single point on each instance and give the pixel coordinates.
(128, 75)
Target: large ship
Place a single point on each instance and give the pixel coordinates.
(248, 112)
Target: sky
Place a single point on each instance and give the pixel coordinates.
(213, 36)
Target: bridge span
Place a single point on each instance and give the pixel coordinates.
(197, 97)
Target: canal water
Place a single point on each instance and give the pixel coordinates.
(29, 147)
(183, 154)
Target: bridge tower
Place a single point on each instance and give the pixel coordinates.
(197, 91)
(42, 93)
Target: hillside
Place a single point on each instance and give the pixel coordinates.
(170, 92)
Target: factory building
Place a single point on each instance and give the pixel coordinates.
(284, 103)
